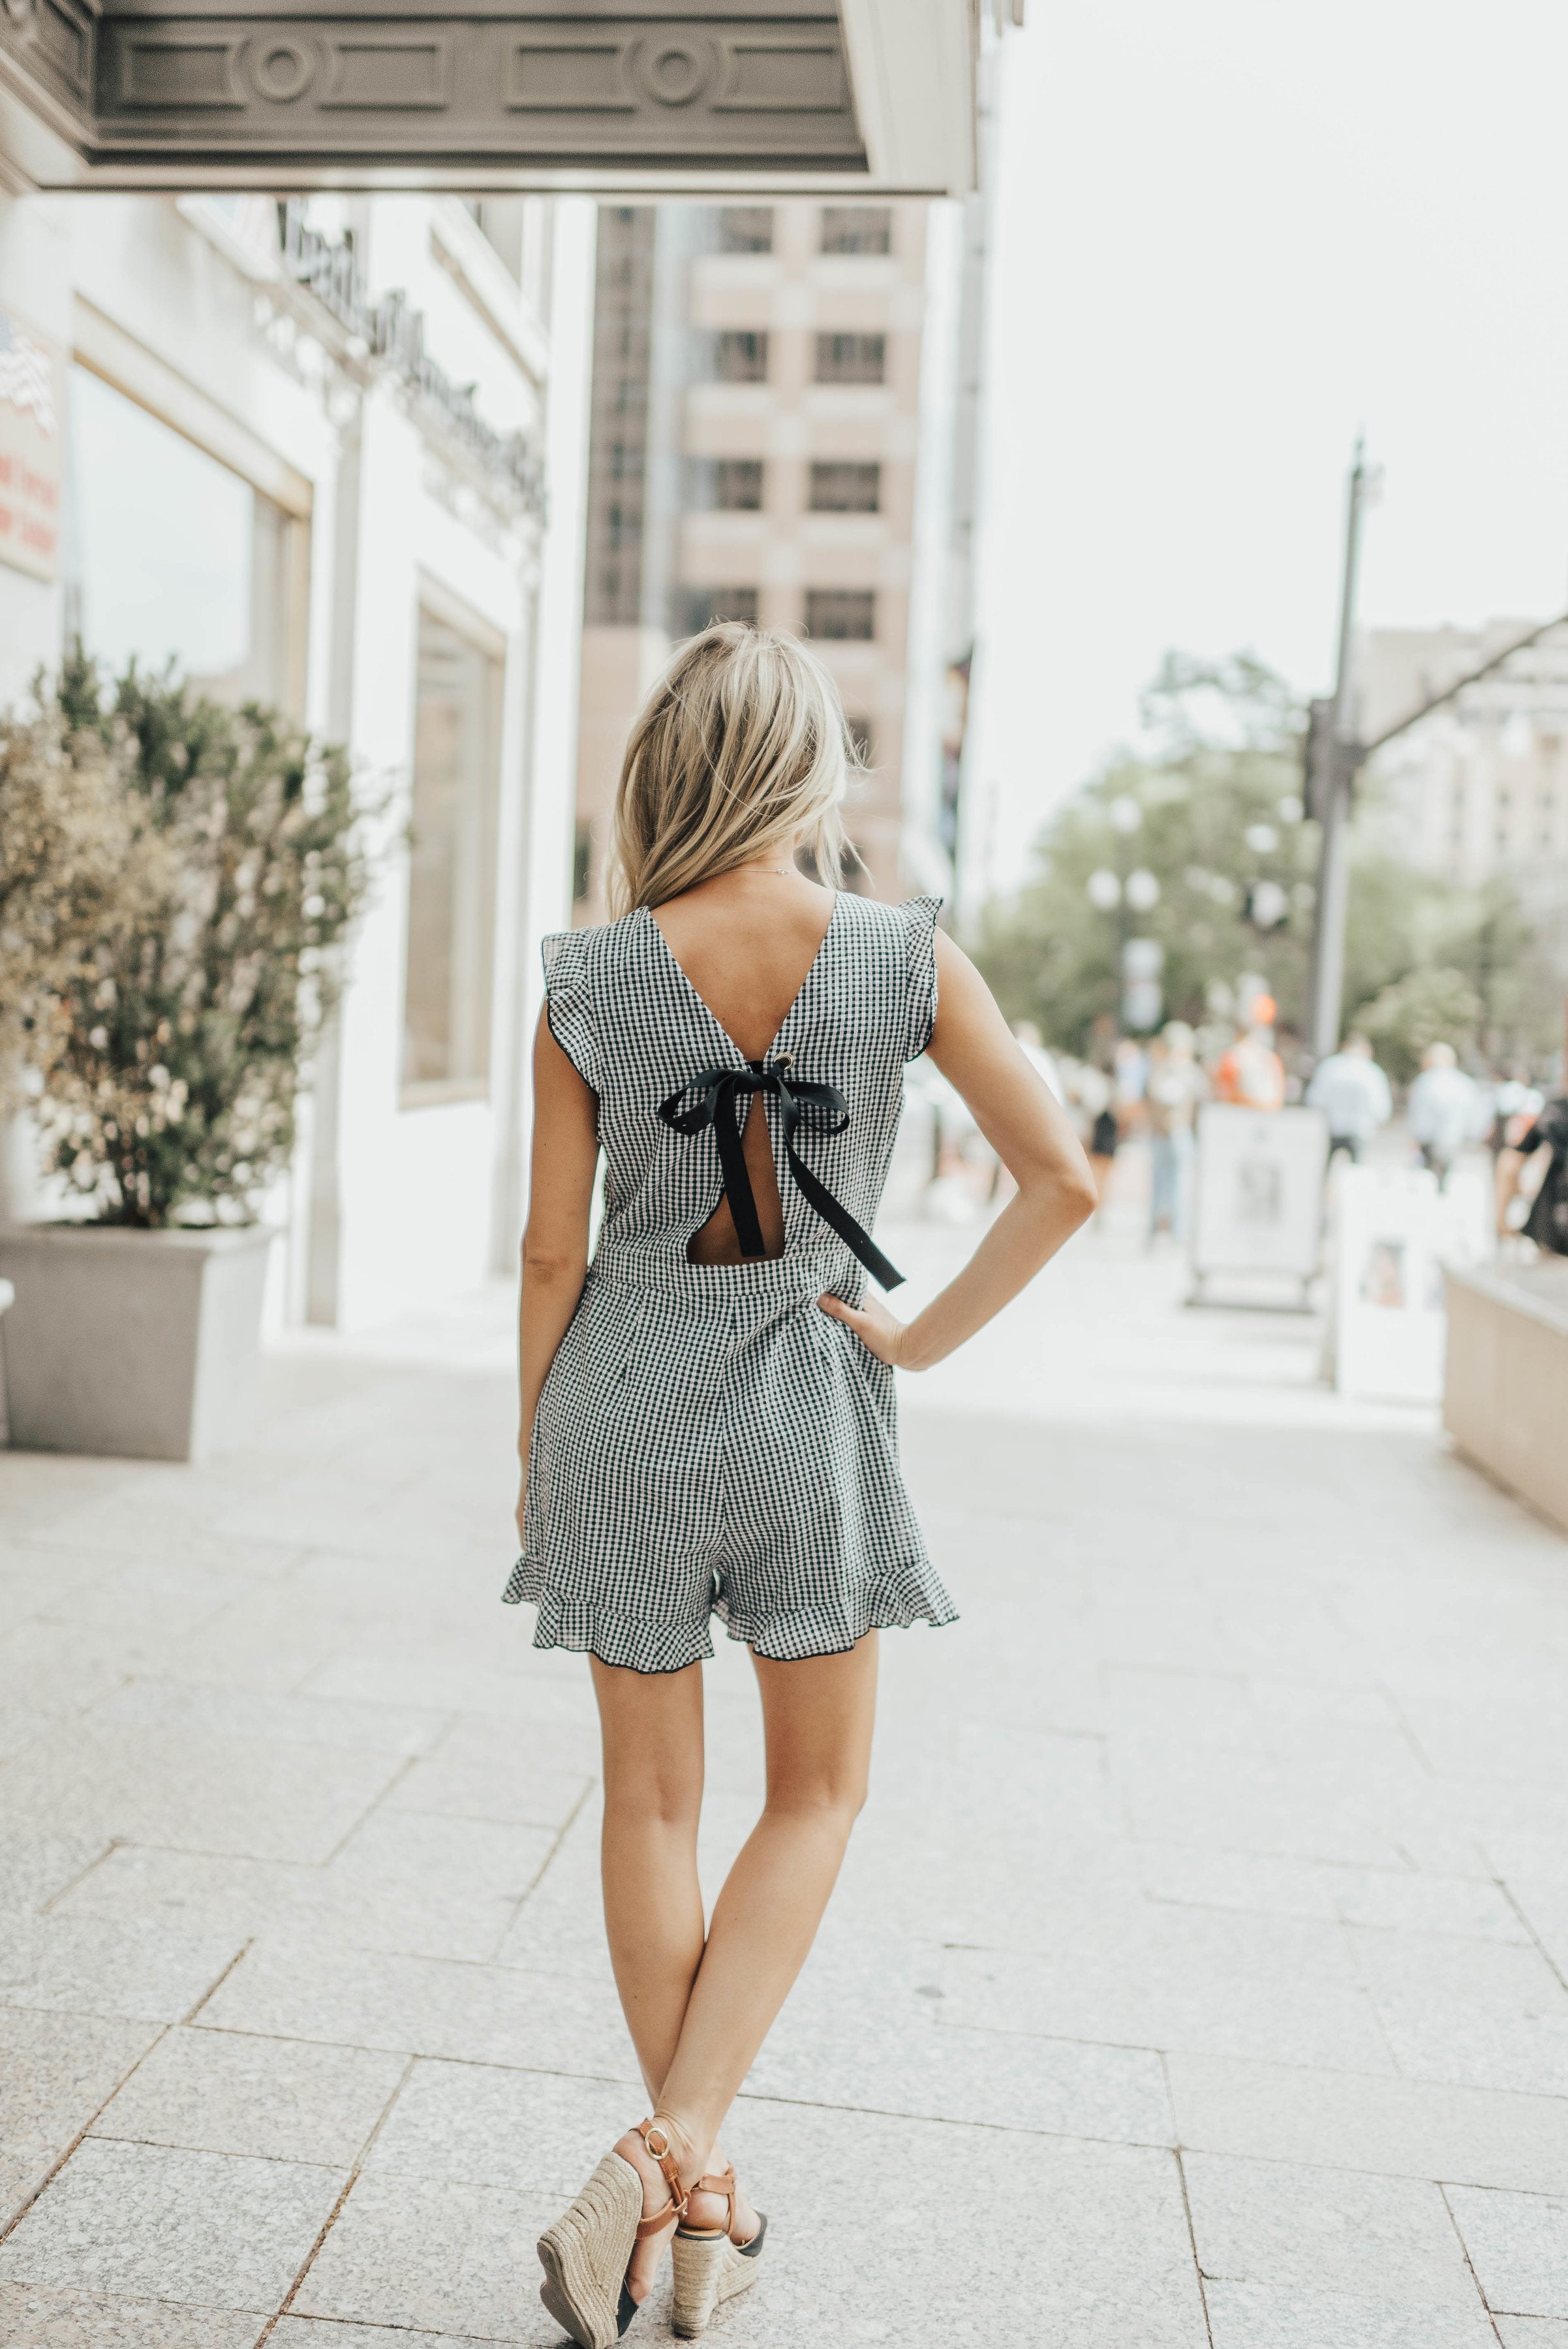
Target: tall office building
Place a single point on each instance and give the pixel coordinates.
(1481, 786)
(776, 436)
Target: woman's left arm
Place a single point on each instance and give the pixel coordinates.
(1029, 1131)
(556, 1243)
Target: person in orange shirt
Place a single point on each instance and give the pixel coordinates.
(1250, 1071)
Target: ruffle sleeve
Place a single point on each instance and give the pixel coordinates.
(918, 916)
(568, 1001)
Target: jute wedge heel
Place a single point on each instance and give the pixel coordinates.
(585, 2253)
(709, 2267)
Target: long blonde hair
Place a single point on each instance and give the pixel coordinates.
(739, 750)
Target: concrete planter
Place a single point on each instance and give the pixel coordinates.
(1505, 1397)
(144, 1344)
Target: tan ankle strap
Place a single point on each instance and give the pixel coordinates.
(647, 2130)
(724, 2185)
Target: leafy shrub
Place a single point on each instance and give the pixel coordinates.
(66, 849)
(177, 1044)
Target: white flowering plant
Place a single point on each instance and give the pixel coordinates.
(175, 1042)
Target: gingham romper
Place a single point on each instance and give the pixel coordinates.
(708, 1440)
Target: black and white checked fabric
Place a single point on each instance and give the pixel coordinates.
(708, 1441)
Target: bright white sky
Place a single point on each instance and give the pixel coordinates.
(1228, 235)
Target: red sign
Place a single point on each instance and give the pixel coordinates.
(32, 422)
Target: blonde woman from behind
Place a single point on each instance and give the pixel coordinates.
(708, 1420)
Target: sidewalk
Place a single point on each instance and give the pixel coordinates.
(1196, 1976)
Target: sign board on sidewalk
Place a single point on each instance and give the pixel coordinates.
(1394, 1231)
(32, 430)
(1258, 1191)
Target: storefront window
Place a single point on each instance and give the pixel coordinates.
(452, 868)
(169, 555)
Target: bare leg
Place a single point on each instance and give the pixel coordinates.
(651, 1727)
(698, 2015)
(818, 1716)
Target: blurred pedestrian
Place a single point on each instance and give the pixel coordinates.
(1516, 1104)
(1090, 1104)
(1251, 1072)
(1547, 1221)
(1173, 1087)
(1354, 1095)
(1446, 1111)
(1129, 1076)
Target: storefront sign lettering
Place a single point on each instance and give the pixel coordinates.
(394, 334)
(31, 405)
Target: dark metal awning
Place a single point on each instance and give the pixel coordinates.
(638, 97)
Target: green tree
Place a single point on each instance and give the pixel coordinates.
(169, 1089)
(1425, 1007)
(1220, 827)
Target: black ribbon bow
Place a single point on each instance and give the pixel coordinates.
(824, 1108)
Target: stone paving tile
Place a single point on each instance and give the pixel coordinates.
(1272, 1989)
(36, 1868)
(222, 2092)
(193, 1892)
(1112, 2265)
(1339, 2232)
(460, 1687)
(34, 2318)
(862, 2029)
(534, 2135)
(55, 1668)
(1389, 1899)
(422, 2006)
(1518, 2245)
(1408, 2128)
(1531, 2333)
(19, 1728)
(56, 2070)
(427, 1854)
(144, 2221)
(1361, 1801)
(472, 1787)
(194, 1790)
(291, 1720)
(1475, 2012)
(320, 2332)
(1278, 2316)
(83, 1965)
(434, 2257)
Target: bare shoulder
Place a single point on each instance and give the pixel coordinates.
(964, 1002)
(747, 904)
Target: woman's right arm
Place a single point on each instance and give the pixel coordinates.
(1029, 1131)
(556, 1242)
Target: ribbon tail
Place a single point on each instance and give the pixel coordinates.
(843, 1223)
(737, 1182)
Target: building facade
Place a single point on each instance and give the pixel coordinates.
(330, 453)
(776, 402)
(1480, 787)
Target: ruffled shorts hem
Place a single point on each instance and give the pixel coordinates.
(893, 1600)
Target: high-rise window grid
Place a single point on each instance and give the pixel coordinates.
(858, 228)
(842, 487)
(741, 354)
(851, 358)
(845, 614)
(727, 484)
(745, 228)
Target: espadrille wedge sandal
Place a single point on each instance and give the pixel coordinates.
(585, 2253)
(708, 2266)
